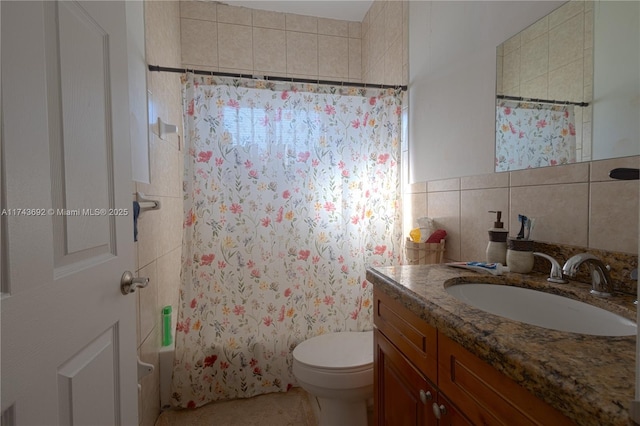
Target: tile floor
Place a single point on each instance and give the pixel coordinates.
(291, 408)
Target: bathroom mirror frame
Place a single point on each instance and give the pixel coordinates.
(565, 89)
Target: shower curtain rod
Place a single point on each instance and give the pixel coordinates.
(542, 101)
(274, 78)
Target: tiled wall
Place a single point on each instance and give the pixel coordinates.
(219, 37)
(385, 43)
(160, 232)
(553, 59)
(575, 205)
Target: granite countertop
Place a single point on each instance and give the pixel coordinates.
(591, 379)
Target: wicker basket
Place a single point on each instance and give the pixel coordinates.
(424, 253)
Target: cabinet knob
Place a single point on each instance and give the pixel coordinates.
(425, 396)
(439, 410)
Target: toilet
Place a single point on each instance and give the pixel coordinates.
(337, 369)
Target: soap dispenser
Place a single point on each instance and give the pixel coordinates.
(497, 247)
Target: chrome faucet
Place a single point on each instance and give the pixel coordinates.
(601, 284)
(555, 276)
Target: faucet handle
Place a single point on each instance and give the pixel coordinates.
(601, 284)
(556, 275)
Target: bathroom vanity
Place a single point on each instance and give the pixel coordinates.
(441, 361)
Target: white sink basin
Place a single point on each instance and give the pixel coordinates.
(542, 309)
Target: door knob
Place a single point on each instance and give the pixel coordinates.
(129, 284)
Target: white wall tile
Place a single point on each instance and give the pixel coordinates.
(168, 276)
(566, 82)
(355, 59)
(418, 203)
(301, 23)
(302, 53)
(377, 8)
(475, 219)
(199, 42)
(170, 236)
(444, 209)
(493, 180)
(268, 19)
(366, 23)
(573, 173)
(561, 212)
(148, 301)
(377, 47)
(235, 46)
(365, 64)
(566, 42)
(443, 185)
(511, 44)
(393, 64)
(600, 169)
(333, 56)
(355, 29)
(150, 394)
(165, 32)
(611, 227)
(511, 72)
(333, 27)
(269, 50)
(536, 88)
(198, 10)
(393, 24)
(535, 30)
(376, 74)
(534, 58)
(565, 12)
(234, 14)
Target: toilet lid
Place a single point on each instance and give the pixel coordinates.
(343, 350)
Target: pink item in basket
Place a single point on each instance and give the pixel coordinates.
(438, 235)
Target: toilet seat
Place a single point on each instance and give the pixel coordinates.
(344, 352)
(340, 360)
(337, 369)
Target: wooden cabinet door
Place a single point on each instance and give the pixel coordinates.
(403, 397)
(487, 396)
(414, 337)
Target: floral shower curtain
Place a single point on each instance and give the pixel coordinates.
(534, 135)
(290, 191)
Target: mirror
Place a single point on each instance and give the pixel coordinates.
(567, 87)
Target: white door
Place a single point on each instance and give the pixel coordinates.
(68, 333)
